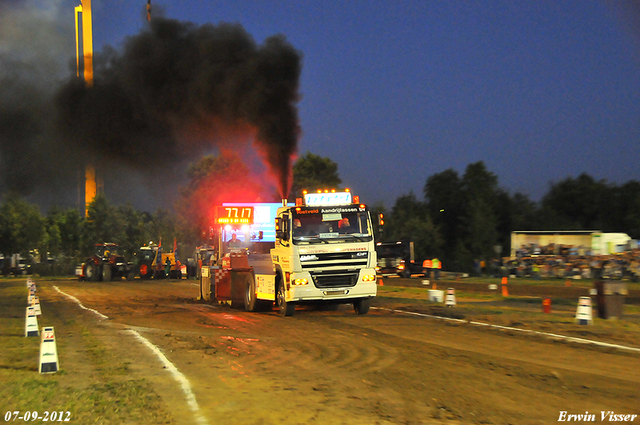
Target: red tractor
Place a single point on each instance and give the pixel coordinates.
(106, 264)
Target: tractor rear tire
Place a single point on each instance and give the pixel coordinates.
(90, 272)
(106, 273)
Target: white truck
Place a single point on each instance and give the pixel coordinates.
(323, 252)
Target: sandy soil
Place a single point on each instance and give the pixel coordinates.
(335, 367)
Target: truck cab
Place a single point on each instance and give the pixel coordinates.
(397, 258)
(320, 250)
(324, 251)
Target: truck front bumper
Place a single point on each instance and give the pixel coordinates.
(365, 287)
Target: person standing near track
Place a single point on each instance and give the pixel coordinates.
(436, 265)
(426, 266)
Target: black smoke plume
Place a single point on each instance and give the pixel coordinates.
(32, 42)
(178, 89)
(167, 95)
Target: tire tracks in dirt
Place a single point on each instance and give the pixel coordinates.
(337, 367)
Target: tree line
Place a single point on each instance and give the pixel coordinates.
(466, 217)
(459, 218)
(68, 237)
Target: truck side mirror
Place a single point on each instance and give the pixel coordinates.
(282, 228)
(282, 235)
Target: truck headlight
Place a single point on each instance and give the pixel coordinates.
(368, 278)
(300, 282)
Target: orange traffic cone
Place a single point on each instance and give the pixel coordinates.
(567, 283)
(546, 305)
(380, 282)
(505, 292)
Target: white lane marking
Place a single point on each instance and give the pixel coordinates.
(177, 375)
(80, 304)
(550, 335)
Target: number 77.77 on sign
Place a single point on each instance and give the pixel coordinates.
(234, 215)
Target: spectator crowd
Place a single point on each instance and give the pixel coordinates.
(563, 262)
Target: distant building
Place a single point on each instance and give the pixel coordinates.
(588, 242)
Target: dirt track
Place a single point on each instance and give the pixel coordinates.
(334, 367)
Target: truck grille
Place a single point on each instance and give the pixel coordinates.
(335, 279)
(340, 259)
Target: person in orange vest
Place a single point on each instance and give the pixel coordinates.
(436, 265)
(426, 266)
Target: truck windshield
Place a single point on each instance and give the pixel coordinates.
(392, 250)
(147, 254)
(327, 225)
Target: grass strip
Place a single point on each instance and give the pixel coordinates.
(108, 394)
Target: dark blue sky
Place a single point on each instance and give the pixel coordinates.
(396, 91)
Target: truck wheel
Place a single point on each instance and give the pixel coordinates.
(362, 305)
(250, 300)
(106, 273)
(131, 274)
(406, 273)
(286, 308)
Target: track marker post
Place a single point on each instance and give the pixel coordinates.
(584, 313)
(31, 322)
(450, 300)
(36, 306)
(48, 351)
(34, 301)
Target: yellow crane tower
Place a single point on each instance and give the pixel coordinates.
(86, 36)
(84, 9)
